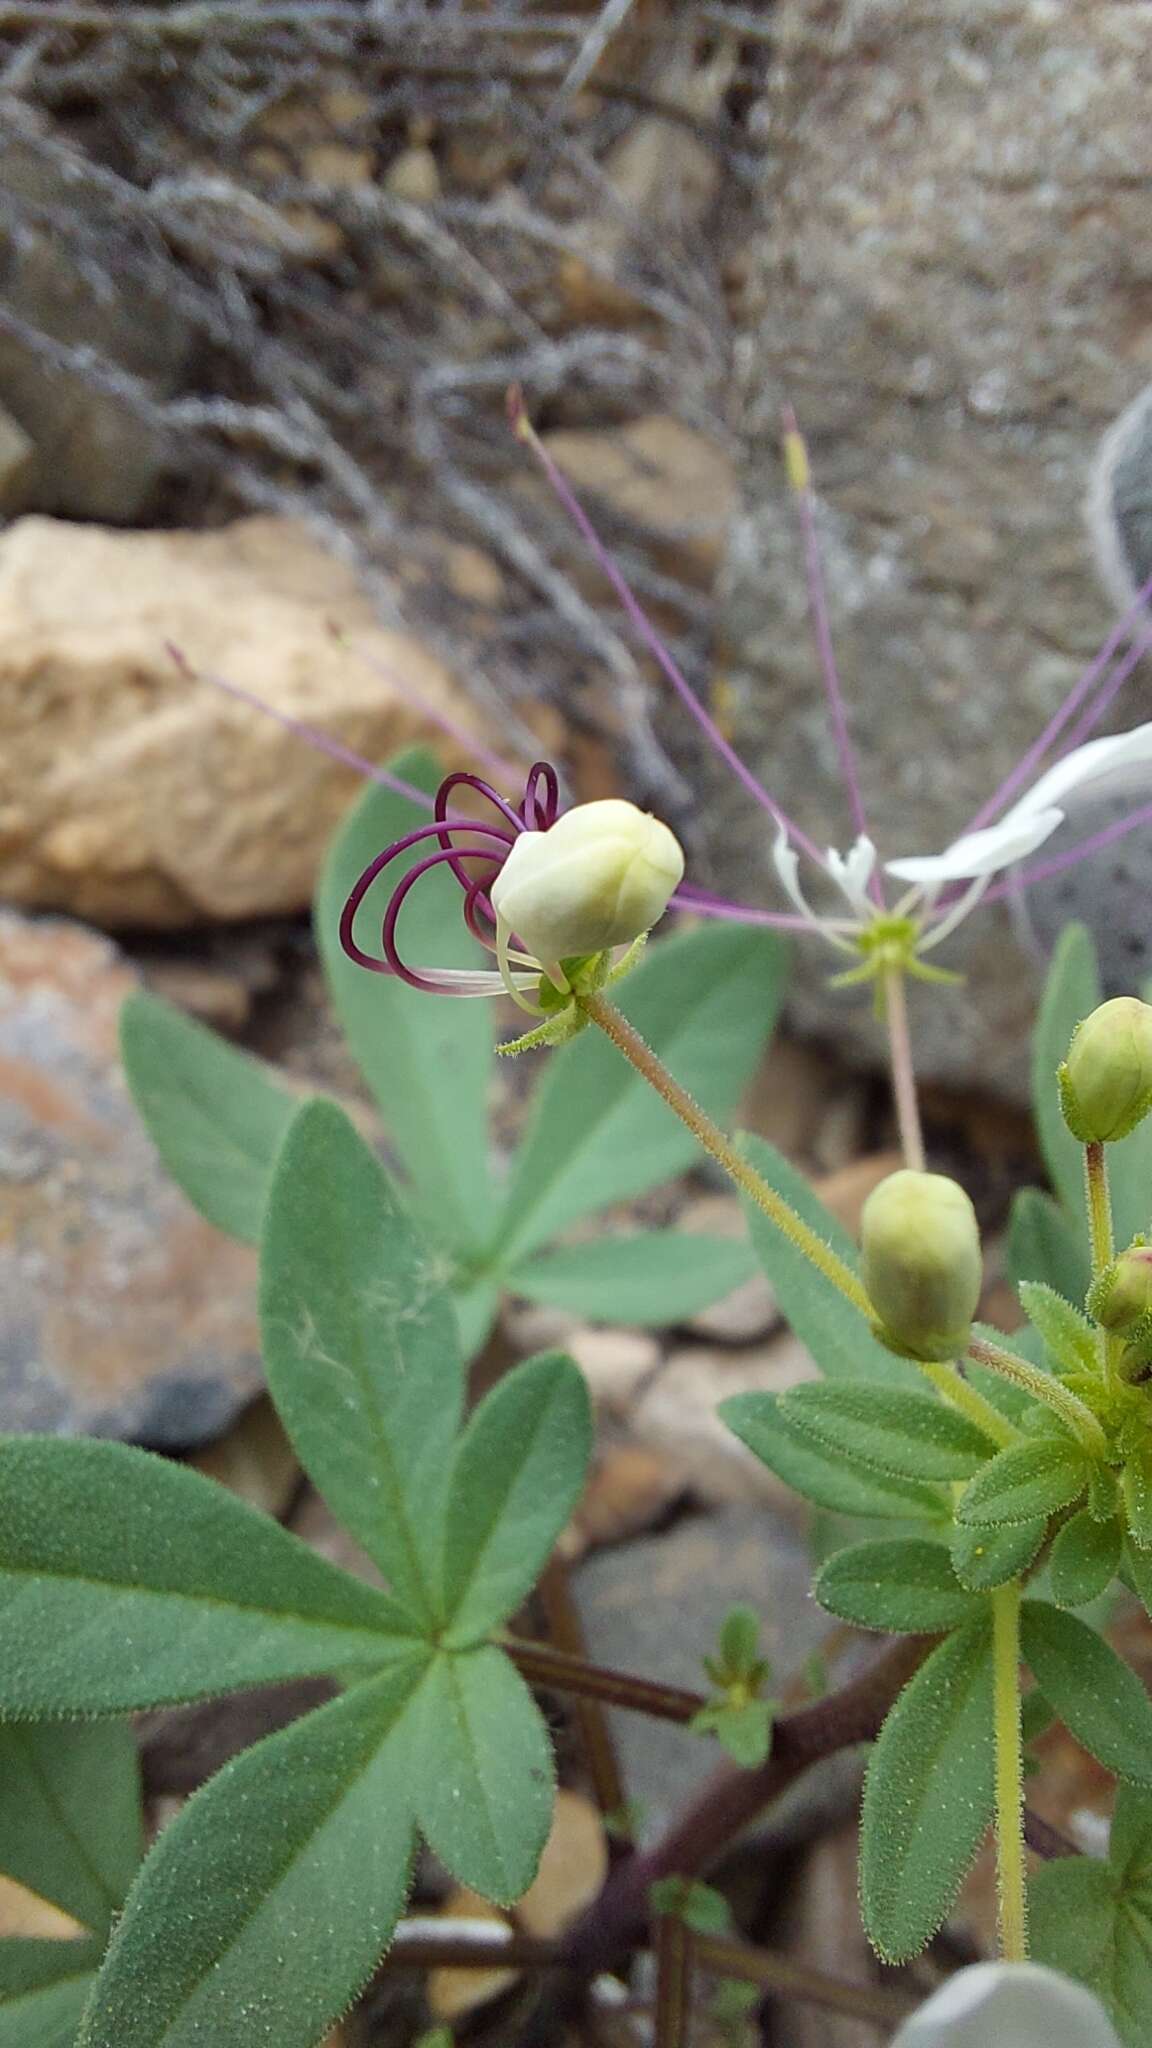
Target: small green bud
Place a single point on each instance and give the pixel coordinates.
(921, 1265)
(599, 877)
(1106, 1081)
(1123, 1293)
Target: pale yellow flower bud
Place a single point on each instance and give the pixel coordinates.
(920, 1264)
(1106, 1081)
(599, 877)
(1122, 1296)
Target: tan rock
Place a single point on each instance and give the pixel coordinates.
(615, 1362)
(414, 175)
(132, 794)
(677, 1417)
(661, 475)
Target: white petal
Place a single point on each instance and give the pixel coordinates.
(787, 864)
(1085, 764)
(853, 872)
(1009, 2005)
(979, 853)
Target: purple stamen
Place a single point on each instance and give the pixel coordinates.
(1023, 770)
(704, 904)
(463, 780)
(822, 633)
(389, 962)
(646, 631)
(301, 730)
(541, 797)
(1095, 711)
(1073, 855)
(442, 720)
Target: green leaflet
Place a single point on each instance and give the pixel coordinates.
(296, 1857)
(215, 1115)
(907, 1434)
(1136, 1488)
(70, 1827)
(901, 1583)
(426, 1060)
(1100, 1701)
(1066, 1332)
(984, 1558)
(1046, 1243)
(834, 1332)
(127, 1581)
(928, 1794)
(819, 1475)
(517, 1475)
(657, 1277)
(705, 1001)
(482, 1774)
(361, 1348)
(1024, 1482)
(1093, 1920)
(1085, 1559)
(43, 1989)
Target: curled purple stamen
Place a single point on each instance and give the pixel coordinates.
(541, 797)
(389, 961)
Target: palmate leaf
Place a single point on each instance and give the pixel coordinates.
(822, 1476)
(128, 1582)
(426, 1060)
(482, 1775)
(1024, 1482)
(656, 1277)
(1085, 1559)
(1093, 1919)
(984, 1558)
(517, 1475)
(928, 1794)
(361, 1349)
(44, 1986)
(834, 1332)
(266, 1904)
(705, 1001)
(70, 1823)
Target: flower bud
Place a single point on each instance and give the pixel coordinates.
(1122, 1296)
(599, 877)
(1106, 1081)
(921, 1264)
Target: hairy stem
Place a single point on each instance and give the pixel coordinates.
(900, 1065)
(1099, 1206)
(1010, 1874)
(543, 1665)
(1044, 1387)
(640, 1055)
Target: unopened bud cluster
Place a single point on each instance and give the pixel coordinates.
(1106, 1080)
(599, 877)
(921, 1264)
(1121, 1301)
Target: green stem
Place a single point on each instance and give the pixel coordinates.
(641, 1056)
(903, 1076)
(1099, 1206)
(1043, 1387)
(1010, 1869)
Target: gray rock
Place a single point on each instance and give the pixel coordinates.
(952, 279)
(121, 1312)
(16, 456)
(655, 1607)
(94, 456)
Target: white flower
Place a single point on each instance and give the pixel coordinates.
(975, 859)
(1009, 2005)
